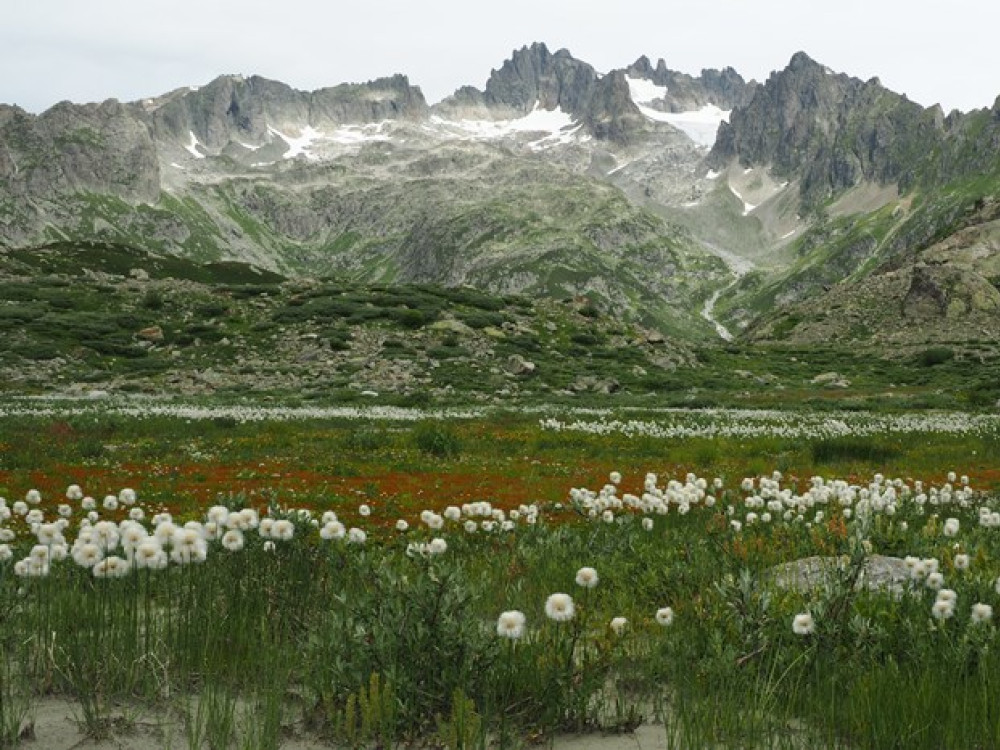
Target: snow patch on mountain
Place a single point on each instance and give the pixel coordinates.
(352, 134)
(644, 91)
(555, 125)
(747, 207)
(700, 125)
(192, 146)
(300, 145)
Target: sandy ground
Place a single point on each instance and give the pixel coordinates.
(55, 725)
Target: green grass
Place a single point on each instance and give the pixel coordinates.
(370, 642)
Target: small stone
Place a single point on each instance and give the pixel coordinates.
(152, 333)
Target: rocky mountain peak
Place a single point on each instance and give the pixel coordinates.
(801, 62)
(244, 110)
(724, 89)
(534, 75)
(829, 130)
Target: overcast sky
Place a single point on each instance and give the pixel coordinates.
(90, 50)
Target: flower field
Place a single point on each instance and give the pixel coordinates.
(489, 579)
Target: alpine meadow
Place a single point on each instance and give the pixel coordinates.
(586, 409)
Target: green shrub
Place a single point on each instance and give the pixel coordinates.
(851, 449)
(437, 438)
(152, 300)
(936, 355)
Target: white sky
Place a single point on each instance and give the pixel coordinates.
(89, 50)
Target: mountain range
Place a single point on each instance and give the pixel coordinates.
(809, 208)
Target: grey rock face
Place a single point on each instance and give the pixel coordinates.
(725, 88)
(241, 110)
(101, 148)
(830, 130)
(880, 573)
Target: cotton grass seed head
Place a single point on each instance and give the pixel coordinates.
(942, 609)
(665, 616)
(618, 625)
(437, 546)
(559, 607)
(587, 578)
(233, 540)
(510, 624)
(332, 530)
(283, 530)
(981, 613)
(803, 624)
(356, 536)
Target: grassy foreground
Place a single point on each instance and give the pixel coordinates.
(385, 582)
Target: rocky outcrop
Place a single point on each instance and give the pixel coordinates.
(829, 131)
(724, 88)
(535, 77)
(234, 109)
(100, 148)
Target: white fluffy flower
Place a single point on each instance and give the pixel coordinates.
(364, 510)
(961, 562)
(332, 530)
(587, 577)
(188, 546)
(947, 595)
(951, 527)
(981, 613)
(283, 530)
(618, 625)
(87, 555)
(33, 497)
(402, 525)
(560, 607)
(74, 492)
(647, 523)
(233, 540)
(511, 624)
(803, 624)
(615, 477)
(437, 546)
(665, 616)
(150, 554)
(942, 609)
(356, 536)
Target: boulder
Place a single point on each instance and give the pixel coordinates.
(880, 573)
(152, 333)
(519, 366)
